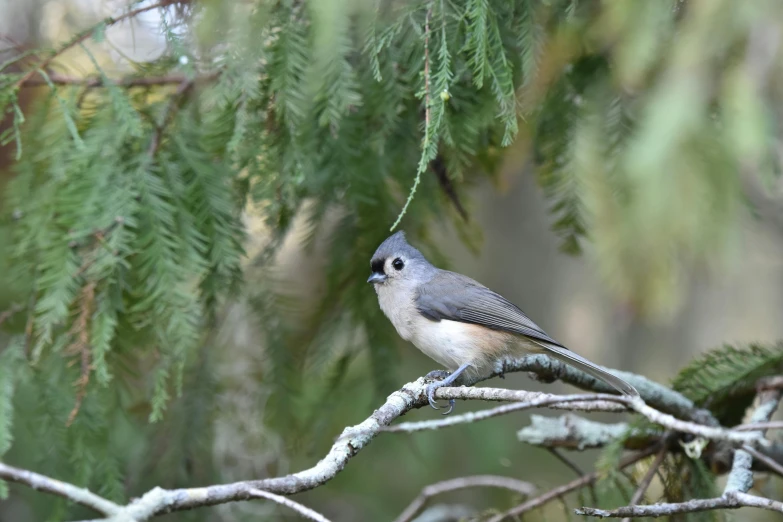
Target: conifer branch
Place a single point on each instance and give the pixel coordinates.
(84, 35)
(426, 142)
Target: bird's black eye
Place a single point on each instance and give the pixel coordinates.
(398, 264)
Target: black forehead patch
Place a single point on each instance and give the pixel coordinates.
(377, 266)
(395, 246)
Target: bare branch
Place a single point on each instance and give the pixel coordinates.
(413, 395)
(566, 461)
(755, 426)
(287, 502)
(590, 402)
(61, 489)
(658, 396)
(505, 395)
(353, 439)
(585, 402)
(573, 467)
(491, 481)
(731, 500)
(769, 462)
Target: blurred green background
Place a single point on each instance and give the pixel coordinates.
(634, 214)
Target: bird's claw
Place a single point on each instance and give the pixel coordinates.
(431, 397)
(431, 394)
(444, 379)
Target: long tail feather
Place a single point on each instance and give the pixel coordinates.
(579, 362)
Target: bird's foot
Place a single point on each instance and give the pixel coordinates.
(437, 374)
(431, 395)
(448, 379)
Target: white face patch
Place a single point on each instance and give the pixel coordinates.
(390, 270)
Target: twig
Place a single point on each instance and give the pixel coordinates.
(648, 478)
(81, 346)
(438, 166)
(543, 400)
(5, 315)
(505, 395)
(769, 462)
(168, 115)
(755, 426)
(565, 460)
(774, 382)
(43, 483)
(287, 502)
(573, 467)
(142, 81)
(84, 35)
(491, 481)
(732, 500)
(566, 488)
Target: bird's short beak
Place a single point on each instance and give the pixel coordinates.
(376, 278)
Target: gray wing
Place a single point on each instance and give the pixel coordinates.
(456, 297)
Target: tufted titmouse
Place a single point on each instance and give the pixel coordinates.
(457, 321)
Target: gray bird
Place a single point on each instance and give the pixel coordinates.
(459, 322)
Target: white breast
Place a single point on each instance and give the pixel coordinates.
(453, 343)
(450, 343)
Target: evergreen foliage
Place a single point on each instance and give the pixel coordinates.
(724, 380)
(125, 215)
